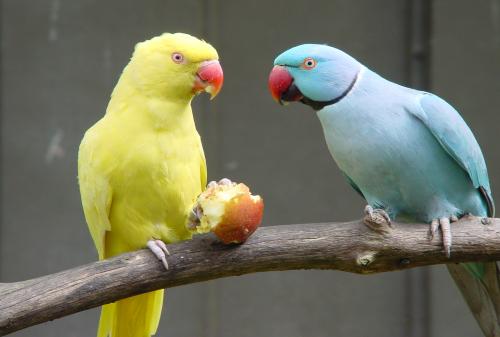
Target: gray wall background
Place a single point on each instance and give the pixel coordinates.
(59, 63)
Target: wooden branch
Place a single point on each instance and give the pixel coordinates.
(350, 246)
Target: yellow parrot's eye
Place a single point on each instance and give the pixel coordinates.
(177, 57)
(309, 63)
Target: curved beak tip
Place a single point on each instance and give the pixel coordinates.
(279, 82)
(209, 78)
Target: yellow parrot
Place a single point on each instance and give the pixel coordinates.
(141, 167)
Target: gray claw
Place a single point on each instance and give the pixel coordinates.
(225, 181)
(194, 218)
(159, 249)
(192, 225)
(199, 213)
(444, 224)
(193, 215)
(163, 246)
(434, 228)
(377, 219)
(446, 229)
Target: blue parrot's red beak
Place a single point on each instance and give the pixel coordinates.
(209, 78)
(281, 86)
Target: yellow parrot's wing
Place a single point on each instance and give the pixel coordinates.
(203, 169)
(96, 193)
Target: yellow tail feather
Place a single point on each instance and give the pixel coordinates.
(136, 316)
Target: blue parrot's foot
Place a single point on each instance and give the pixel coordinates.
(377, 219)
(159, 248)
(444, 224)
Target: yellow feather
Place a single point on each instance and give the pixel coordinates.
(142, 166)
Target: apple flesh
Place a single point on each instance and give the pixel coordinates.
(230, 211)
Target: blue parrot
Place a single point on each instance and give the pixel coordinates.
(408, 153)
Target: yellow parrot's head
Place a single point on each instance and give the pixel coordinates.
(175, 66)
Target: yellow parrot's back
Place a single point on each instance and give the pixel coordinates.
(142, 166)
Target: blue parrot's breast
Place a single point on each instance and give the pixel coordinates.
(392, 157)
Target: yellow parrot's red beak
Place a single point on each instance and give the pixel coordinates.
(209, 78)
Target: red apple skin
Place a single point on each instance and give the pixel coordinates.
(241, 218)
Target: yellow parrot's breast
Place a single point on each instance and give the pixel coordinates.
(154, 188)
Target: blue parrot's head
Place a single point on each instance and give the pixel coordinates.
(314, 74)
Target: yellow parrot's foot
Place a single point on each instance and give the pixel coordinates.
(159, 248)
(194, 217)
(223, 181)
(444, 224)
(196, 212)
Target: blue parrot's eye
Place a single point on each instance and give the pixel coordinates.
(309, 63)
(177, 57)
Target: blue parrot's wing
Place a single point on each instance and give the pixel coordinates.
(353, 184)
(451, 131)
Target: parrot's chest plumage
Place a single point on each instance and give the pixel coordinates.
(391, 156)
(155, 177)
(161, 180)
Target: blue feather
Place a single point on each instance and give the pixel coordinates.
(456, 138)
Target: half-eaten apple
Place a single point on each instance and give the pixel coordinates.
(229, 210)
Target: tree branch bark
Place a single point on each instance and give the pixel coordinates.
(350, 246)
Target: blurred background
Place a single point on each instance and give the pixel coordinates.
(61, 59)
